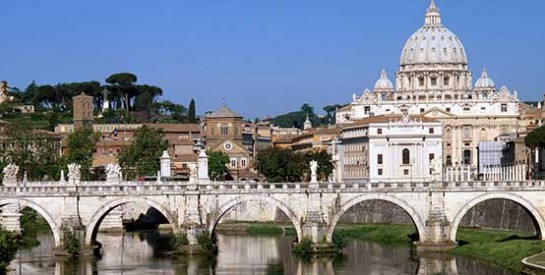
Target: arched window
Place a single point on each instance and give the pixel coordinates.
(224, 130)
(449, 160)
(406, 156)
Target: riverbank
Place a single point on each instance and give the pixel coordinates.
(505, 249)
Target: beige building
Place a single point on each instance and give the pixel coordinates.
(434, 80)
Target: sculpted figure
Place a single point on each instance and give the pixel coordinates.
(10, 173)
(74, 172)
(193, 169)
(313, 171)
(113, 170)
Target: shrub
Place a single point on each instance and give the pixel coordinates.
(70, 243)
(8, 249)
(304, 247)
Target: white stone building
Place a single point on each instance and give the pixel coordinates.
(434, 81)
(390, 148)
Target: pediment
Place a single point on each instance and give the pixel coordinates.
(438, 113)
(230, 147)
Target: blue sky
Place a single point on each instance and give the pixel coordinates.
(265, 57)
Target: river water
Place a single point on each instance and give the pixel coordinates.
(147, 253)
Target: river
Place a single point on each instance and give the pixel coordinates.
(147, 253)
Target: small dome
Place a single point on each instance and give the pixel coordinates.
(484, 82)
(384, 83)
(433, 43)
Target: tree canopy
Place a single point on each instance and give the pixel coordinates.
(142, 157)
(278, 164)
(536, 138)
(217, 161)
(81, 145)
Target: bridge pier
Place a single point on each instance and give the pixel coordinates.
(10, 218)
(315, 227)
(437, 235)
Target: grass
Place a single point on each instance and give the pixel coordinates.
(502, 248)
(264, 229)
(383, 234)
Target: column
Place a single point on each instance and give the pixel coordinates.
(10, 218)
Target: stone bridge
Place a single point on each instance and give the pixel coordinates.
(436, 209)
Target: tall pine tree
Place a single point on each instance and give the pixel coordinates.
(191, 116)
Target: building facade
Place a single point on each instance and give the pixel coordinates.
(390, 148)
(433, 80)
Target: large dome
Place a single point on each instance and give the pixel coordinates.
(433, 43)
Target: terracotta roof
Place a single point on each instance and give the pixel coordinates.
(224, 111)
(82, 95)
(186, 158)
(174, 127)
(345, 108)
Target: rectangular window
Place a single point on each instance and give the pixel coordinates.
(405, 172)
(431, 130)
(233, 162)
(504, 108)
(379, 159)
(431, 157)
(421, 81)
(421, 110)
(366, 110)
(243, 162)
(380, 172)
(434, 81)
(379, 131)
(467, 109)
(448, 109)
(446, 81)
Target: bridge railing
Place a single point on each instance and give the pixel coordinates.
(143, 188)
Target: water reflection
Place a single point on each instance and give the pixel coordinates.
(147, 253)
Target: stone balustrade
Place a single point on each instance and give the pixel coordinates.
(93, 188)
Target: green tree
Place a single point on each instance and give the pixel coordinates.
(81, 145)
(331, 111)
(124, 84)
(217, 165)
(191, 115)
(280, 165)
(8, 249)
(141, 158)
(536, 138)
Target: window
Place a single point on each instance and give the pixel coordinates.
(446, 81)
(449, 160)
(467, 109)
(224, 129)
(379, 159)
(379, 131)
(504, 108)
(466, 133)
(421, 110)
(448, 109)
(434, 81)
(406, 172)
(243, 162)
(233, 162)
(366, 109)
(432, 156)
(421, 81)
(467, 157)
(406, 156)
(380, 172)
(431, 130)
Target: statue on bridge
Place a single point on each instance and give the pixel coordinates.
(113, 172)
(193, 172)
(74, 173)
(10, 175)
(437, 168)
(313, 171)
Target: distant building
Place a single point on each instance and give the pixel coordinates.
(433, 80)
(83, 111)
(389, 148)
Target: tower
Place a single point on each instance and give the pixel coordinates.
(83, 111)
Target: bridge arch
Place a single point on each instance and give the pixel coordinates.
(532, 211)
(94, 222)
(55, 228)
(413, 214)
(259, 198)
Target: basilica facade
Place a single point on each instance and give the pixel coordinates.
(434, 81)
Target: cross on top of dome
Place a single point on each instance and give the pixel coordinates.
(433, 17)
